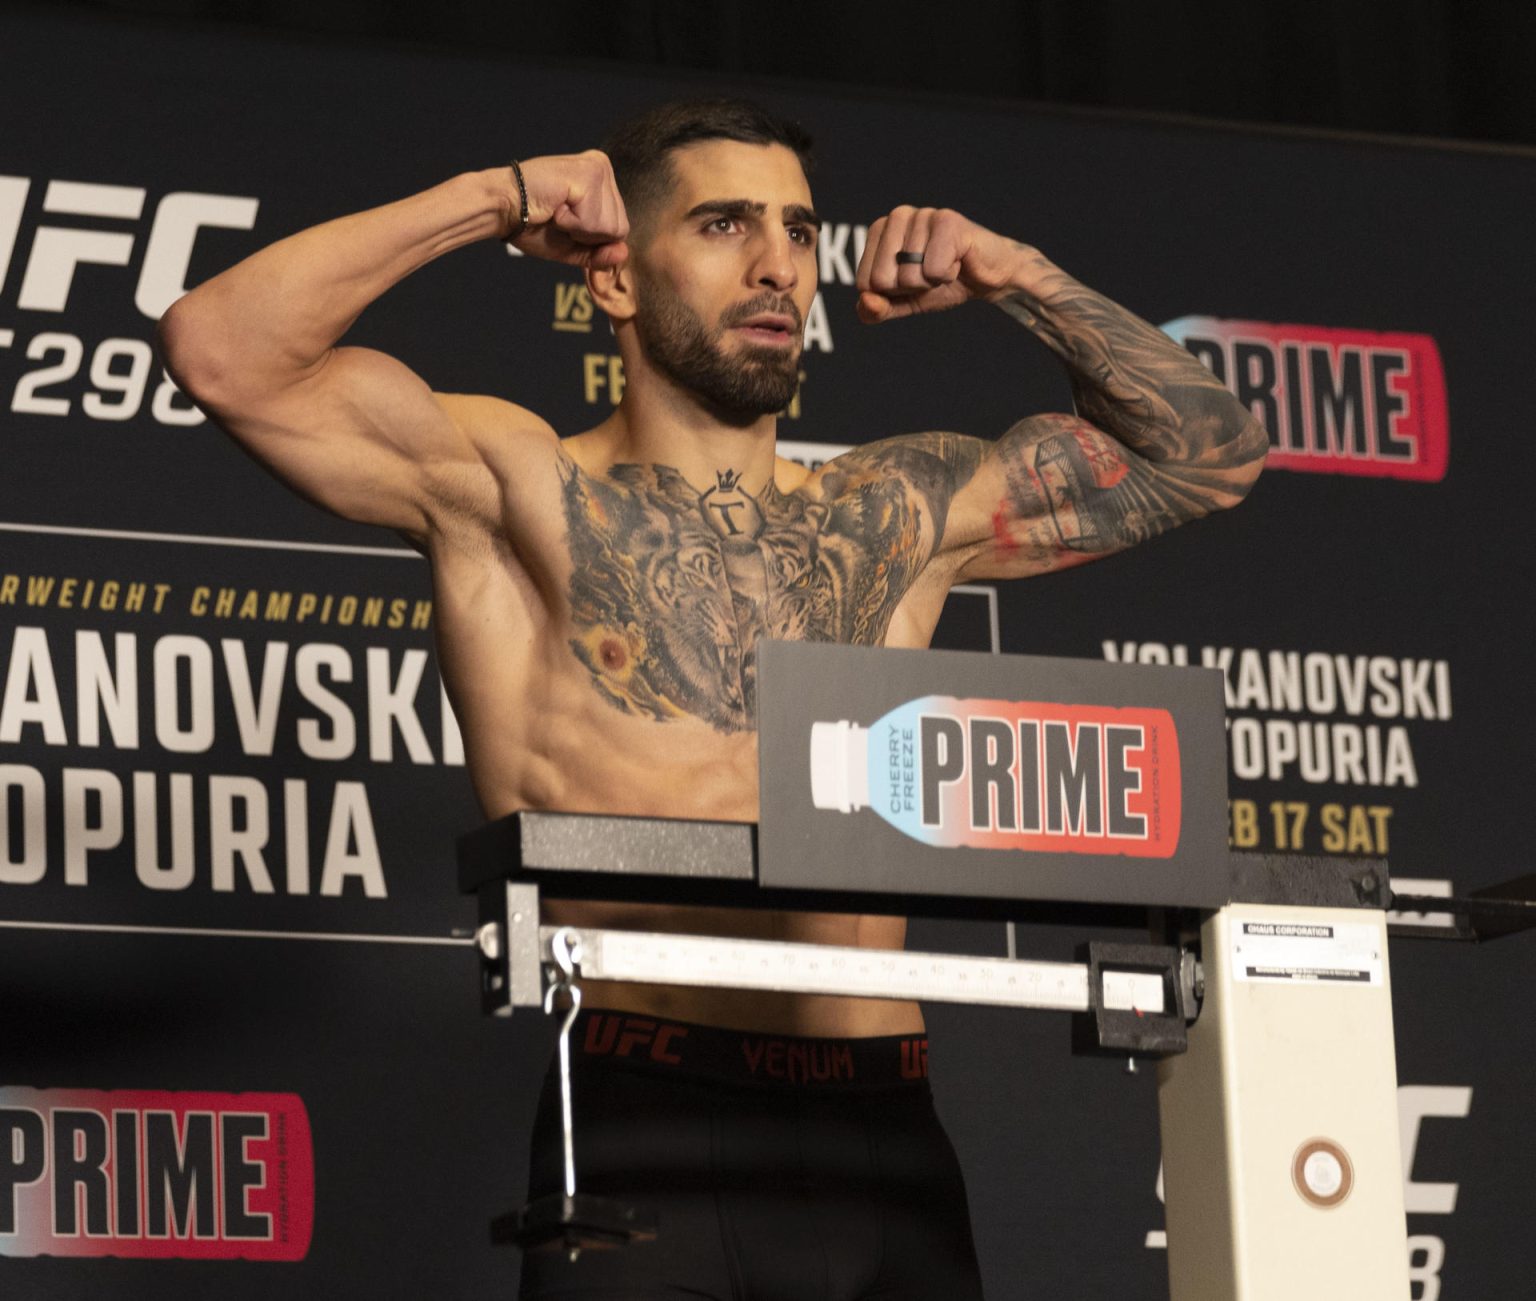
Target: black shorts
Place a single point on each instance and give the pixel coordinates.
(778, 1169)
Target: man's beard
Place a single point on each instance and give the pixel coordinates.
(755, 381)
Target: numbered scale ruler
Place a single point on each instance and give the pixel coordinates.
(852, 972)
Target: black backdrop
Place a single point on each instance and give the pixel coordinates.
(1335, 569)
(1443, 68)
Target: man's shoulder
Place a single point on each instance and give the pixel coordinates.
(790, 476)
(494, 423)
(931, 461)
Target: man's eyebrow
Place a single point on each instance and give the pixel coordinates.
(796, 212)
(727, 208)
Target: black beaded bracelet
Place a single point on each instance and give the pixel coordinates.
(522, 201)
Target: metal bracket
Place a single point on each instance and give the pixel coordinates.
(1485, 914)
(511, 967)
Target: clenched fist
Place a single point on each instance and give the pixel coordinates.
(575, 214)
(929, 259)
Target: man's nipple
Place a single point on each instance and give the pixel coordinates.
(613, 654)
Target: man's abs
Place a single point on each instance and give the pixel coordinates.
(544, 740)
(560, 715)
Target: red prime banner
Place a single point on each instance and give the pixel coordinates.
(1334, 401)
(204, 1176)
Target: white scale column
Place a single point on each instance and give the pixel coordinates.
(1279, 1125)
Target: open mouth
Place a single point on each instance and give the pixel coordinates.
(769, 328)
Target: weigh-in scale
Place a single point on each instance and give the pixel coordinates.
(1263, 991)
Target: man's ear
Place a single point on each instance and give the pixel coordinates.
(613, 290)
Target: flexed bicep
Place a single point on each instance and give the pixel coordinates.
(354, 430)
(1056, 491)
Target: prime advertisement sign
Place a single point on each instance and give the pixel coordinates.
(997, 776)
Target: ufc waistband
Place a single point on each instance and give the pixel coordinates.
(747, 1057)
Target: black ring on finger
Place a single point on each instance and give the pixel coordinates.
(909, 259)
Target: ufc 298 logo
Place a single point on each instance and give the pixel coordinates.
(131, 246)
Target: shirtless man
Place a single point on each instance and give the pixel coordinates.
(599, 606)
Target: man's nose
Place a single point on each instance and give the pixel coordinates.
(774, 266)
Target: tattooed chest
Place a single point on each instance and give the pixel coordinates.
(673, 589)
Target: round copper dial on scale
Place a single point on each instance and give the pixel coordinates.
(1322, 1172)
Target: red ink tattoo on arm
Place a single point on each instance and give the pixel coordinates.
(1106, 462)
(1001, 531)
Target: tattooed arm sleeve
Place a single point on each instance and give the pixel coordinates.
(1156, 442)
(1134, 382)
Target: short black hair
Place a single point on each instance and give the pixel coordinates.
(641, 148)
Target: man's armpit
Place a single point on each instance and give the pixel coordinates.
(498, 444)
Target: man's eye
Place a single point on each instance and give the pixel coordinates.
(802, 235)
(725, 225)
